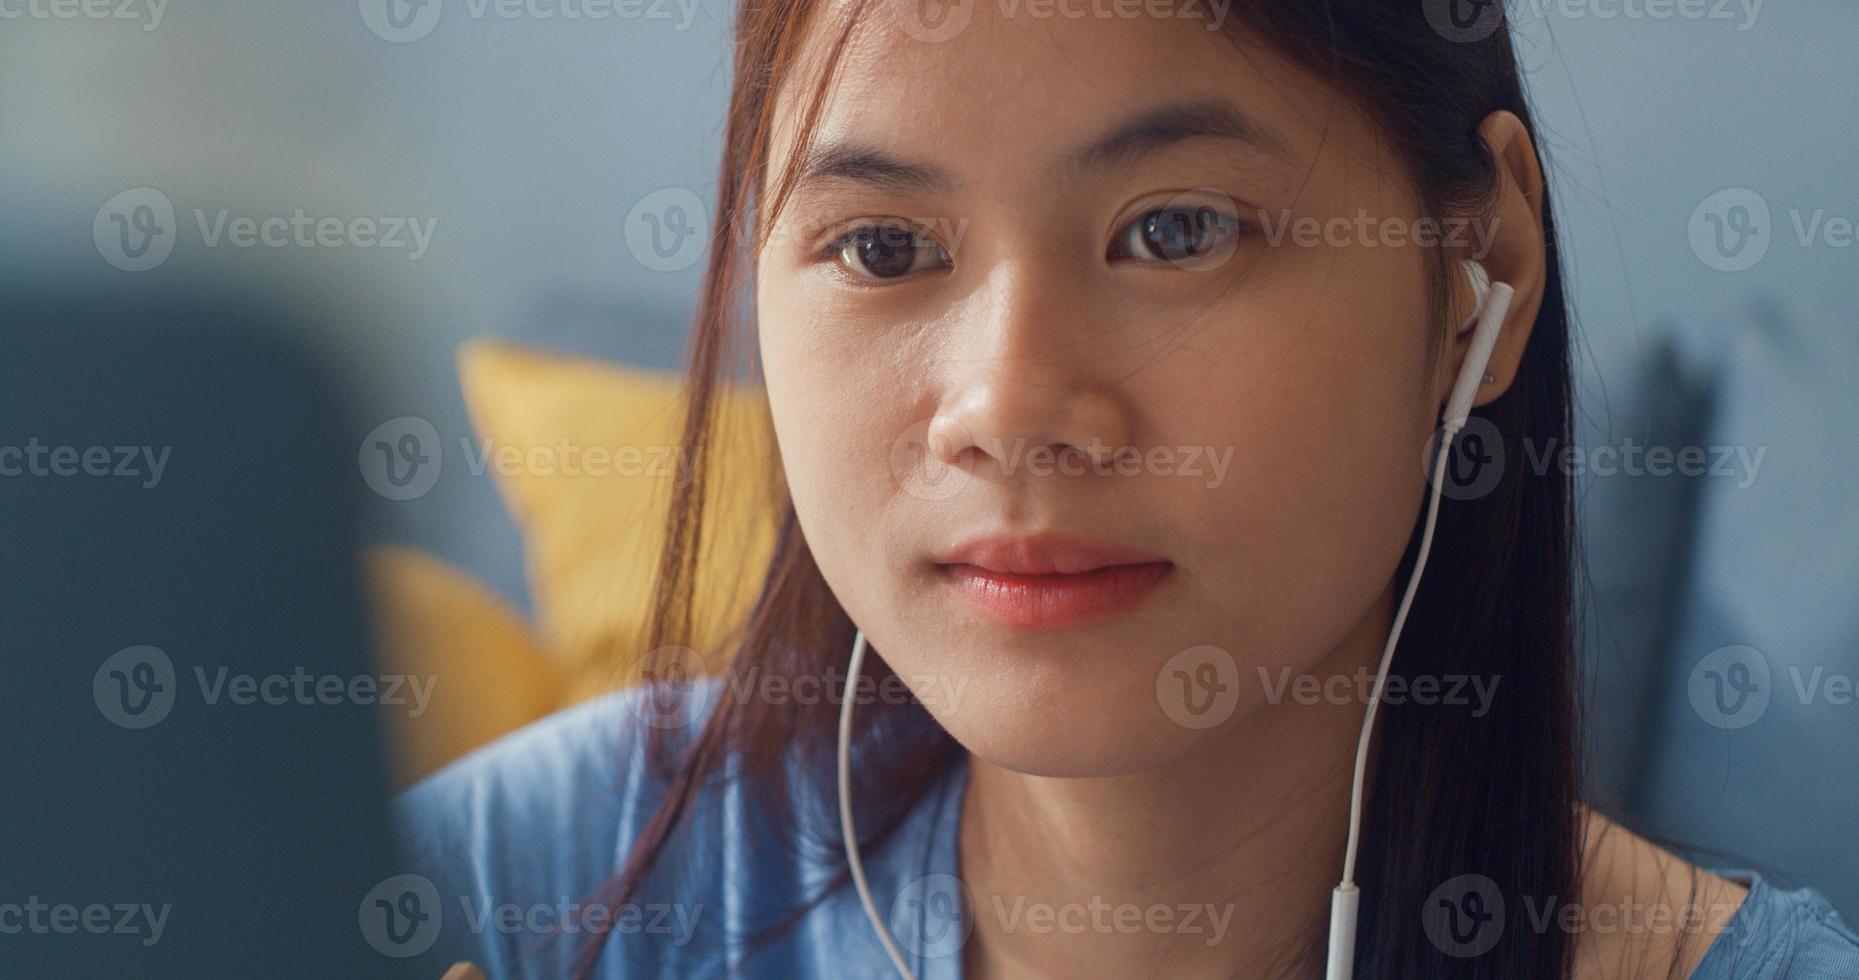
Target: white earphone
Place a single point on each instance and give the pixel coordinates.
(1491, 303)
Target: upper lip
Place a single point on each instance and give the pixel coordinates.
(1045, 553)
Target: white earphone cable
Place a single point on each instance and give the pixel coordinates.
(846, 831)
(1387, 657)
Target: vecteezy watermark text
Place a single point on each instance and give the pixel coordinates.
(1632, 459)
(924, 459)
(405, 21)
(669, 676)
(137, 230)
(137, 687)
(1474, 235)
(566, 458)
(402, 916)
(1448, 690)
(38, 917)
(38, 460)
(147, 11)
(1104, 917)
(936, 21)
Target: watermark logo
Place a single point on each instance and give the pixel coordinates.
(1198, 687)
(932, 916)
(1199, 230)
(1730, 229)
(135, 687)
(932, 21)
(921, 455)
(400, 21)
(1730, 687)
(1464, 21)
(400, 458)
(135, 230)
(665, 231)
(1474, 459)
(667, 677)
(400, 916)
(1464, 916)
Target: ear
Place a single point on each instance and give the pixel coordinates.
(1508, 242)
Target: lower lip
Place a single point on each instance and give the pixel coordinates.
(1057, 601)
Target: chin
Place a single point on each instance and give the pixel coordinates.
(1067, 724)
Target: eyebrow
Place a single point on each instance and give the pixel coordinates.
(1145, 132)
(865, 165)
(1177, 122)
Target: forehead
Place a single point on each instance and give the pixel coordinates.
(999, 84)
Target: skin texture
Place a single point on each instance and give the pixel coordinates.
(1310, 363)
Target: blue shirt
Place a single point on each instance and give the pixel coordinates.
(508, 844)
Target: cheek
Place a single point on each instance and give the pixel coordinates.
(835, 417)
(1326, 437)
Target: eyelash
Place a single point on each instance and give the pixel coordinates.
(836, 249)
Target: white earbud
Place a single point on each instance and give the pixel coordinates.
(1487, 319)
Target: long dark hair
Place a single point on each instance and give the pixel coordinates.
(1495, 796)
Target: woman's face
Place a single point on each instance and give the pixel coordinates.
(1121, 281)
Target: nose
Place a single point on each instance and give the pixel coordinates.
(1031, 376)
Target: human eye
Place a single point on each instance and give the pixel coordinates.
(885, 250)
(1180, 234)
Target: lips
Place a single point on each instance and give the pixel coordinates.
(1051, 581)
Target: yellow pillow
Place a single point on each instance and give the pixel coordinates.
(482, 671)
(585, 455)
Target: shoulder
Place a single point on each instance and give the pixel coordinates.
(509, 851)
(512, 844)
(1784, 934)
(1646, 912)
(537, 787)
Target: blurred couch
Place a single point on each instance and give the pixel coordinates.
(583, 454)
(1722, 612)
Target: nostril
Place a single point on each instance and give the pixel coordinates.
(949, 439)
